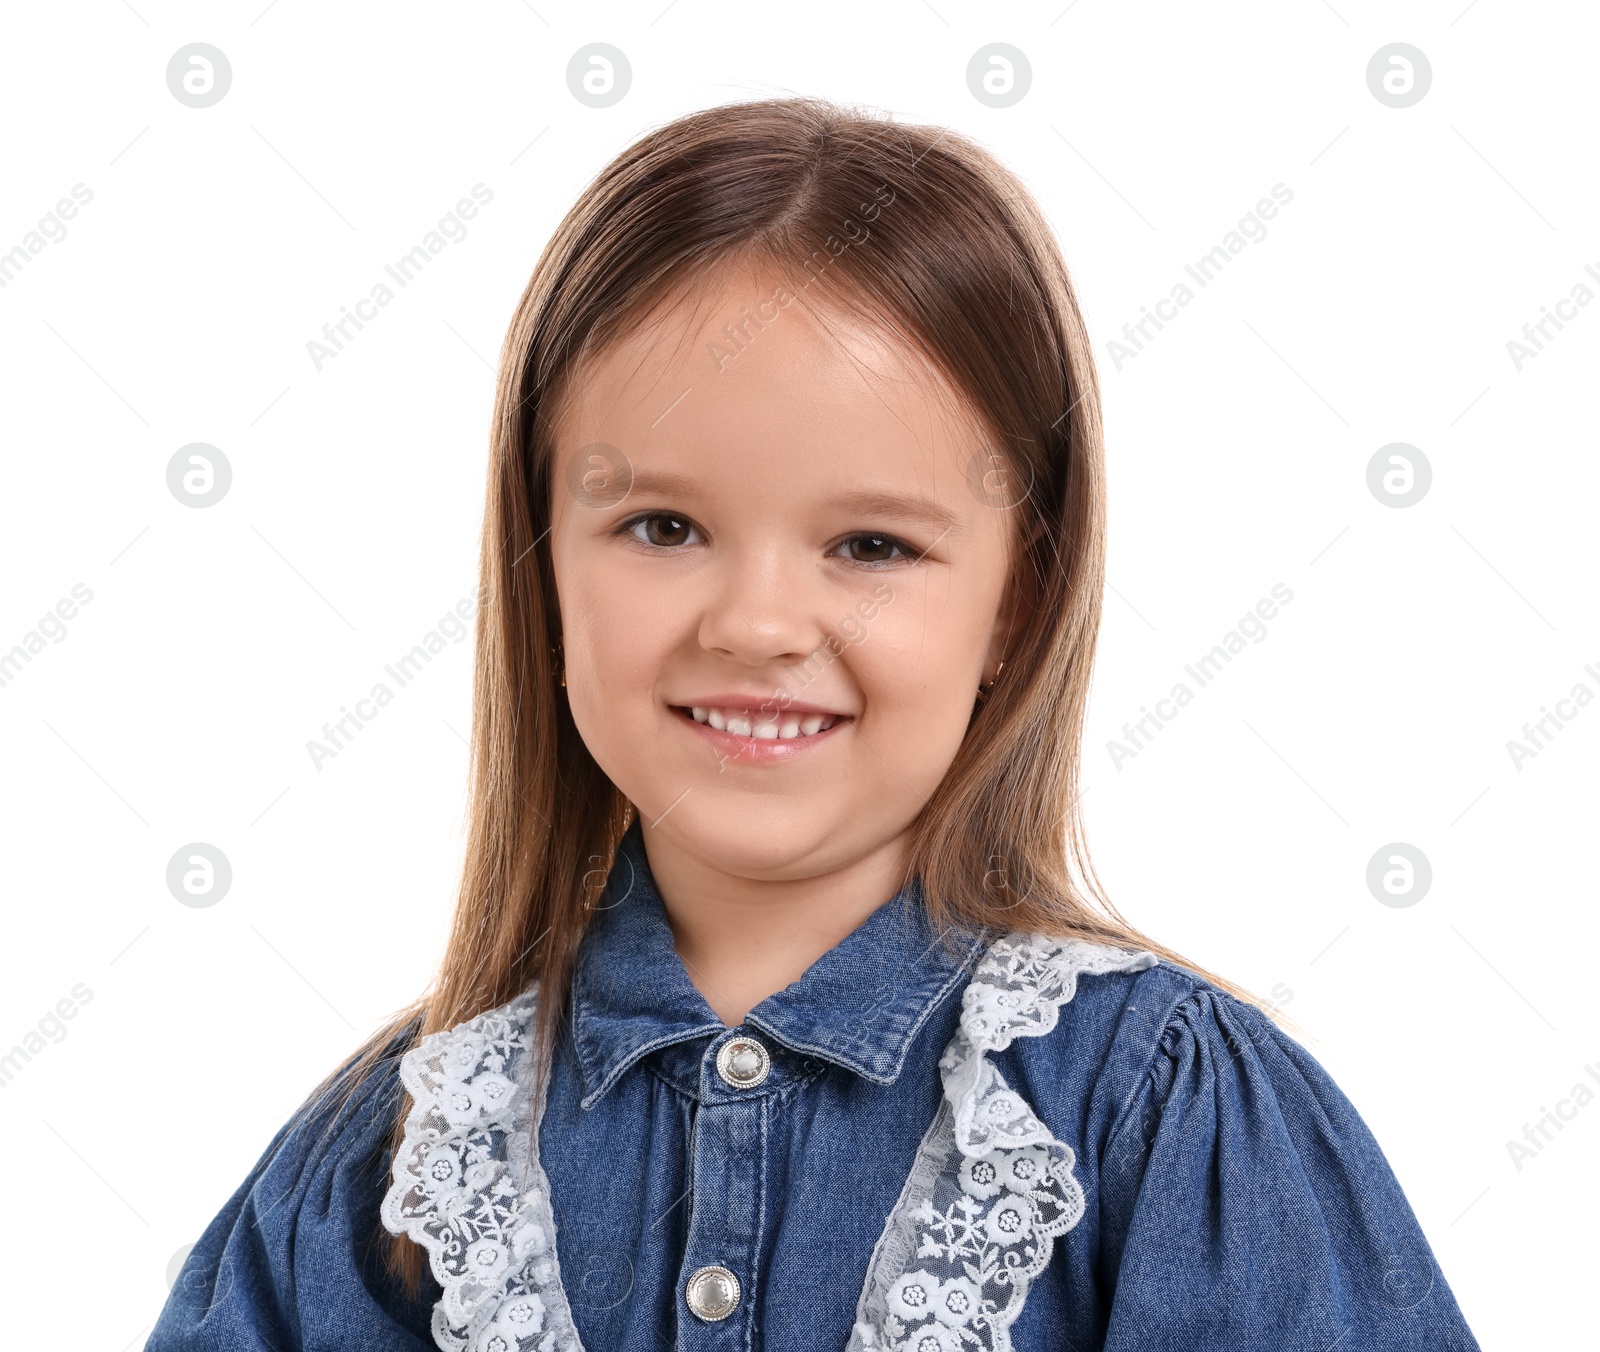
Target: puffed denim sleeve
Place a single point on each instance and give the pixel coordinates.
(290, 1263)
(1246, 1207)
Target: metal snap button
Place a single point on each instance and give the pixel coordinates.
(743, 1062)
(712, 1293)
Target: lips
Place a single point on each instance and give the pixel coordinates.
(748, 731)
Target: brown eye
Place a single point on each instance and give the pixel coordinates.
(873, 548)
(662, 529)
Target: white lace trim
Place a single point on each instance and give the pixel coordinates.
(990, 1188)
(469, 1188)
(988, 1193)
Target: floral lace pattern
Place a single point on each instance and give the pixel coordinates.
(987, 1195)
(1017, 991)
(991, 1187)
(470, 1190)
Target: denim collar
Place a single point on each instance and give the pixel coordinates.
(859, 1006)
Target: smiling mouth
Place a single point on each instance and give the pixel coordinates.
(761, 724)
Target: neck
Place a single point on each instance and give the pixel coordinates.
(742, 939)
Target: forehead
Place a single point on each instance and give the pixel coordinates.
(756, 366)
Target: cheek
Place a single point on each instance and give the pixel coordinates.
(920, 660)
(917, 711)
(617, 644)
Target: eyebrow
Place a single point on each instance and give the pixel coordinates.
(662, 483)
(905, 506)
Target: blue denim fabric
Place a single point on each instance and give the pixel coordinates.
(1236, 1202)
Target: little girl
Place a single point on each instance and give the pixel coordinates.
(778, 1012)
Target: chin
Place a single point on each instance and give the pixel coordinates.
(753, 836)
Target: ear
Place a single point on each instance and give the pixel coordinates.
(1017, 604)
(1007, 623)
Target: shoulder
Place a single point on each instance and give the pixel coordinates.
(1225, 1168)
(1114, 1016)
(340, 1127)
(1133, 1036)
(288, 1261)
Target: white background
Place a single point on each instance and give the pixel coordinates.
(1378, 709)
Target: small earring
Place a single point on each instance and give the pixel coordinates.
(561, 666)
(983, 690)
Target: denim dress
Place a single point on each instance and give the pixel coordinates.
(1013, 1142)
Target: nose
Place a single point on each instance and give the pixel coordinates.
(762, 604)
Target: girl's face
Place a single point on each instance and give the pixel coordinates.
(780, 582)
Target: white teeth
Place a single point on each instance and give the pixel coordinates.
(762, 725)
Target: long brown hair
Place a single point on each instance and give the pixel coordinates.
(931, 237)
